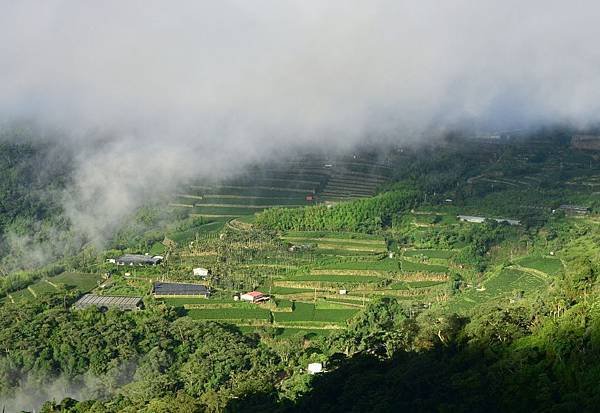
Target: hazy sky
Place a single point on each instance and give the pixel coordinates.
(198, 86)
(297, 68)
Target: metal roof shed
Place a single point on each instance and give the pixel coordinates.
(161, 288)
(104, 302)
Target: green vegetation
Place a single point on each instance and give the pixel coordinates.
(407, 308)
(365, 215)
(228, 314)
(547, 265)
(429, 253)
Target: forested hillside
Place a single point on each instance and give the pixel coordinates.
(365, 215)
(33, 229)
(404, 304)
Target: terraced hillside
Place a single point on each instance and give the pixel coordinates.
(295, 183)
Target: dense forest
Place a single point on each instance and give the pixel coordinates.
(368, 215)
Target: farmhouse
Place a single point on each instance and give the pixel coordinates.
(200, 272)
(104, 302)
(139, 259)
(573, 209)
(254, 297)
(314, 368)
(479, 220)
(169, 289)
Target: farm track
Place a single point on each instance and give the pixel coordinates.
(531, 271)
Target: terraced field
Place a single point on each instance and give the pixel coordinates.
(506, 283)
(292, 183)
(81, 281)
(547, 265)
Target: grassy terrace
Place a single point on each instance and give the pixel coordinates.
(335, 235)
(81, 281)
(547, 265)
(429, 253)
(305, 312)
(229, 314)
(334, 278)
(386, 264)
(505, 283)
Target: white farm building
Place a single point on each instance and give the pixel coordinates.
(200, 272)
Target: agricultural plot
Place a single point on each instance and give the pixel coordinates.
(81, 281)
(209, 229)
(282, 312)
(307, 313)
(547, 265)
(330, 234)
(429, 253)
(335, 278)
(240, 314)
(289, 291)
(499, 285)
(411, 266)
(386, 264)
(409, 285)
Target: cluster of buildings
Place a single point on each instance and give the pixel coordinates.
(137, 259)
(572, 209)
(479, 220)
(159, 289)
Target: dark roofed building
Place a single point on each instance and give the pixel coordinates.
(104, 302)
(138, 259)
(574, 209)
(199, 290)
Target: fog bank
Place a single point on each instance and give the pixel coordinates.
(149, 93)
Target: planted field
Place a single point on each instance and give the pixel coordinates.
(262, 191)
(287, 290)
(502, 284)
(335, 278)
(410, 266)
(335, 235)
(409, 285)
(547, 265)
(369, 246)
(180, 302)
(223, 211)
(81, 281)
(386, 264)
(304, 312)
(509, 280)
(429, 253)
(229, 314)
(232, 200)
(347, 253)
(201, 231)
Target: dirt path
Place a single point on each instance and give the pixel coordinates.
(52, 284)
(531, 271)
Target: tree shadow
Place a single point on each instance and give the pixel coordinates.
(472, 378)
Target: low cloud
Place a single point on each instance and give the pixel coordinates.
(147, 93)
